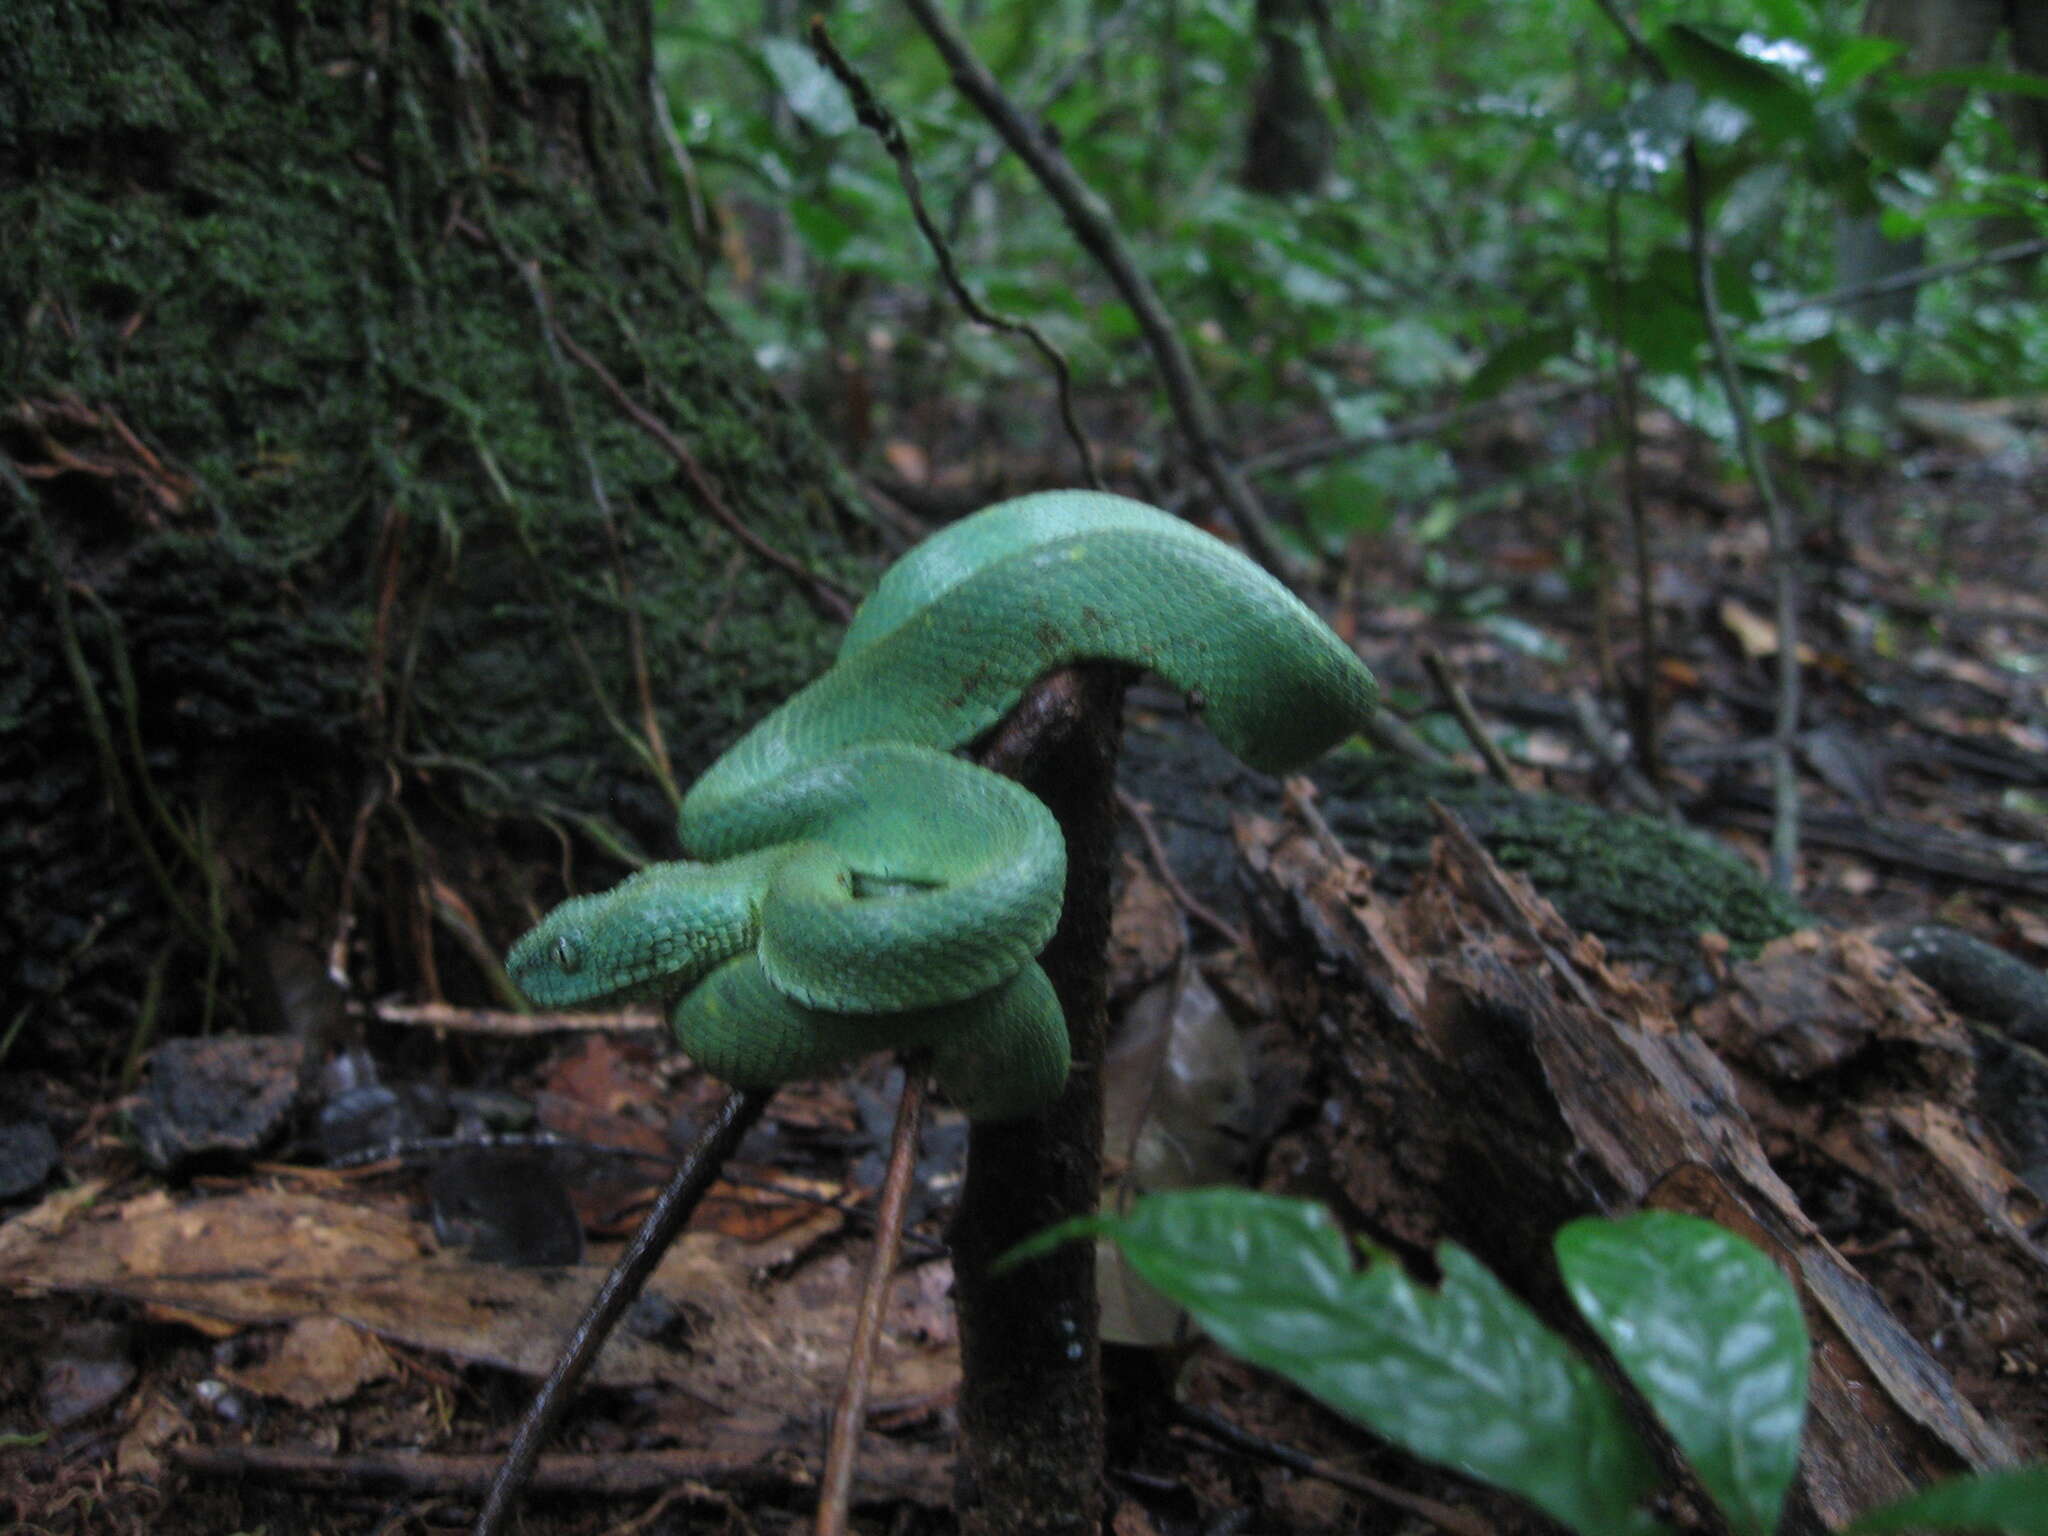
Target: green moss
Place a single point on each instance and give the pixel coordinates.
(282, 250)
(1644, 886)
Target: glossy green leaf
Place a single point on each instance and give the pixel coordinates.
(1709, 1330)
(2015, 1501)
(1656, 312)
(1464, 1374)
(1777, 104)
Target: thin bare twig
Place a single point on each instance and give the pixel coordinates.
(115, 782)
(1468, 718)
(989, 155)
(735, 1115)
(1190, 903)
(1089, 218)
(1298, 794)
(1627, 419)
(881, 122)
(1595, 731)
(1457, 1521)
(825, 595)
(1777, 516)
(503, 1022)
(1324, 449)
(1783, 543)
(679, 155)
(600, 498)
(835, 1489)
(1911, 277)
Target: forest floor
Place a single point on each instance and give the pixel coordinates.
(275, 1343)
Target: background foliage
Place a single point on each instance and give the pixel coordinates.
(1503, 199)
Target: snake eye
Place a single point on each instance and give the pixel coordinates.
(568, 955)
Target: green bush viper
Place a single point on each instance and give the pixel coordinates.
(854, 887)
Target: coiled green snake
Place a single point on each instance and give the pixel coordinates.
(854, 887)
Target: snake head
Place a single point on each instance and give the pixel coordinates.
(649, 937)
(565, 960)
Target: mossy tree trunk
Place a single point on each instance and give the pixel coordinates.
(334, 554)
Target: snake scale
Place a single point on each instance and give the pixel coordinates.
(852, 886)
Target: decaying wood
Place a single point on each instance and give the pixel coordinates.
(1493, 1078)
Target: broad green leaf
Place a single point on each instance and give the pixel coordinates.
(1656, 312)
(1518, 356)
(1357, 414)
(1464, 1374)
(1859, 56)
(823, 230)
(1414, 353)
(2014, 1501)
(1773, 100)
(1709, 1329)
(808, 86)
(1339, 501)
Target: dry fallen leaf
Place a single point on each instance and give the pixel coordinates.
(319, 1360)
(1755, 634)
(140, 1450)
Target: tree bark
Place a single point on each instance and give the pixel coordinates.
(401, 476)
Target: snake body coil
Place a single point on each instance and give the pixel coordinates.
(862, 889)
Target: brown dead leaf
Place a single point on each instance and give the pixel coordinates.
(1146, 935)
(198, 1322)
(1756, 635)
(1678, 673)
(1935, 661)
(319, 1360)
(789, 1215)
(598, 1076)
(600, 1092)
(907, 459)
(156, 1426)
(2031, 926)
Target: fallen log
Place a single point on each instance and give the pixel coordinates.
(1489, 1076)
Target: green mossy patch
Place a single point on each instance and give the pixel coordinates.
(276, 370)
(1646, 888)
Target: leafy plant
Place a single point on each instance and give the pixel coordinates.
(1703, 1325)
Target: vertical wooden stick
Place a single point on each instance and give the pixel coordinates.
(1031, 1402)
(835, 1493)
(735, 1116)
